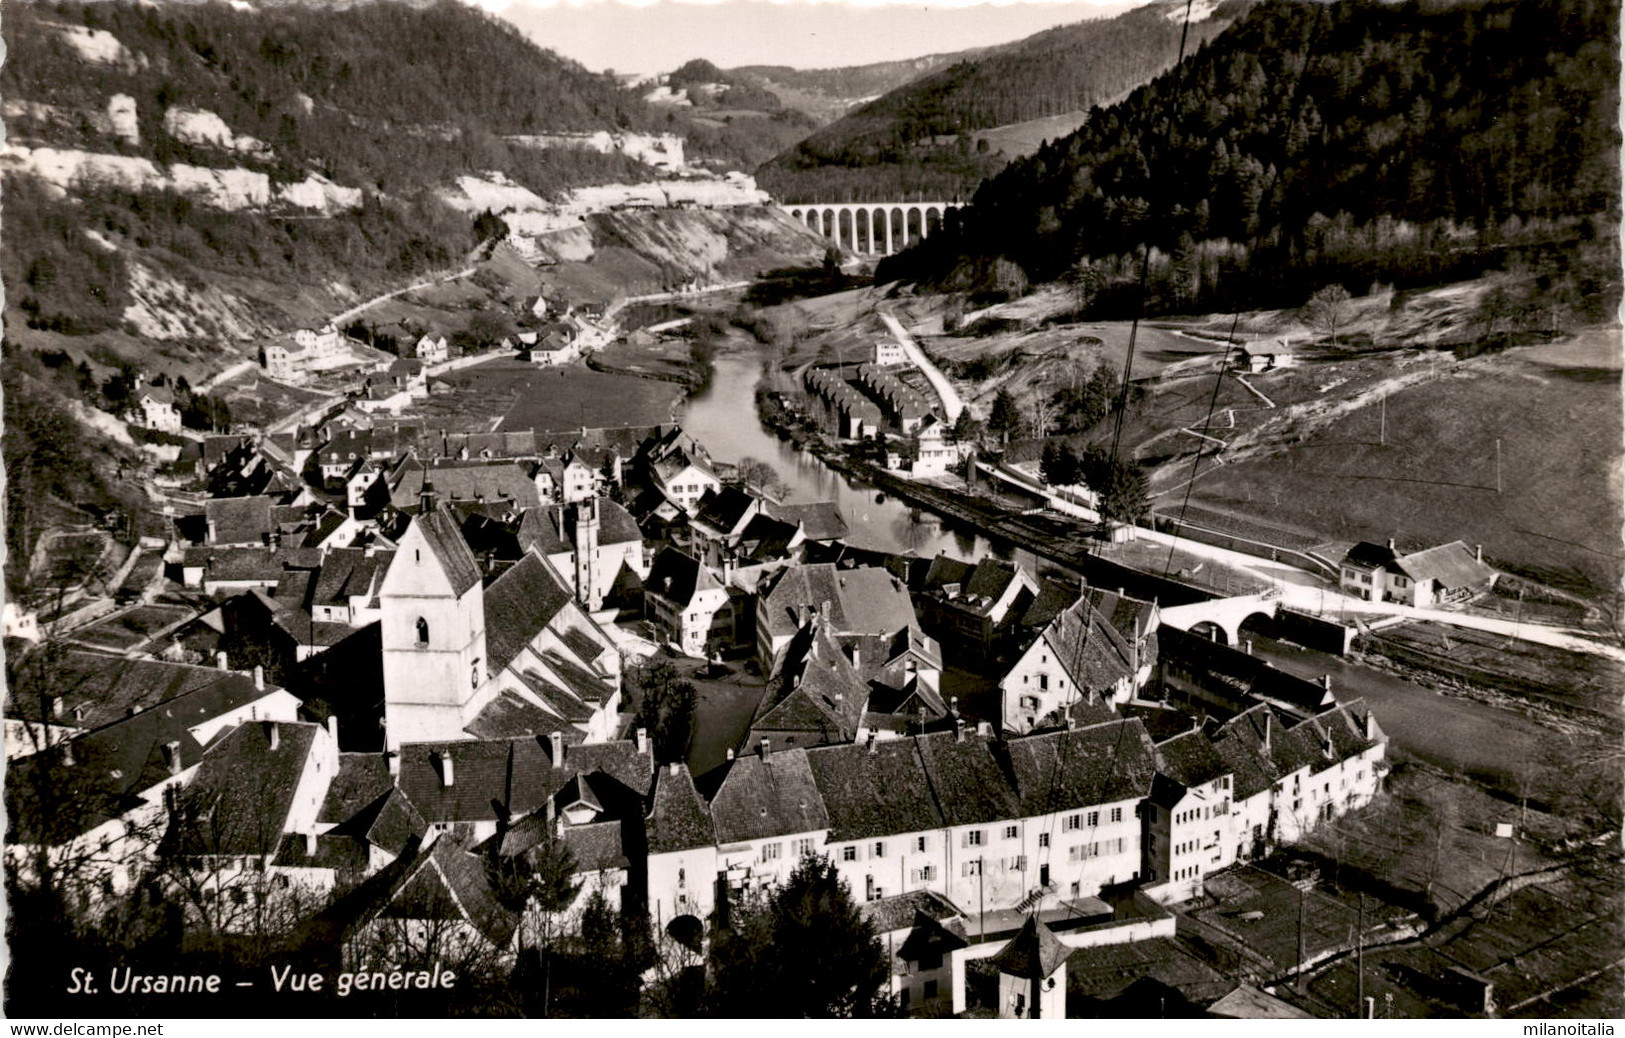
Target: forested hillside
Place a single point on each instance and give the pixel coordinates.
(912, 141)
(1423, 142)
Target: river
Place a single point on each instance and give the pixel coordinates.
(724, 419)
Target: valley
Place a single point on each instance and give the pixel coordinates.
(472, 520)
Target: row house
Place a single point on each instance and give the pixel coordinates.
(906, 406)
(856, 417)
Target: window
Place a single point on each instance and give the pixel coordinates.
(930, 962)
(849, 854)
(971, 868)
(1117, 814)
(973, 838)
(682, 878)
(1094, 819)
(1016, 864)
(1010, 832)
(423, 631)
(802, 847)
(879, 850)
(931, 985)
(1072, 822)
(1043, 681)
(771, 851)
(1043, 839)
(920, 843)
(925, 874)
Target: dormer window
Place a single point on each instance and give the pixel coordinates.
(423, 632)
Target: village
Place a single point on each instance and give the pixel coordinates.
(422, 650)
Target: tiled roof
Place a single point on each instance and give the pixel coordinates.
(679, 577)
(820, 520)
(1369, 556)
(343, 853)
(1452, 565)
(910, 785)
(244, 788)
(446, 883)
(679, 818)
(514, 773)
(519, 605)
(239, 520)
(930, 937)
(1032, 954)
(761, 798)
(464, 481)
(723, 510)
(350, 573)
(597, 846)
(1090, 648)
(1059, 771)
(510, 716)
(1226, 671)
(861, 601)
(1190, 759)
(446, 542)
(97, 690)
(889, 914)
(815, 689)
(362, 779)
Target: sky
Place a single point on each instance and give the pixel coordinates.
(659, 35)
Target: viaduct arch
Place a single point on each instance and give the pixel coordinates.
(874, 228)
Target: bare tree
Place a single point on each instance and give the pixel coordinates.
(1328, 310)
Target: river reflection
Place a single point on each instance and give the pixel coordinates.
(724, 419)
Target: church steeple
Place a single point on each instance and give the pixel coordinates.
(433, 633)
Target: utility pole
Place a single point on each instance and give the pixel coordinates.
(1301, 907)
(1359, 961)
(1382, 434)
(1498, 465)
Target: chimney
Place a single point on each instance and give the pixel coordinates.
(672, 768)
(259, 677)
(762, 748)
(220, 660)
(310, 845)
(984, 729)
(57, 706)
(448, 773)
(172, 756)
(1326, 682)
(643, 740)
(557, 740)
(333, 728)
(730, 753)
(959, 729)
(873, 742)
(273, 735)
(1370, 726)
(426, 497)
(1326, 741)
(1390, 544)
(67, 754)
(854, 655)
(1478, 552)
(1269, 725)
(953, 705)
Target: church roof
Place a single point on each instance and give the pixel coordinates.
(446, 542)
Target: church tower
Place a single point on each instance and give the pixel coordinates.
(433, 631)
(588, 593)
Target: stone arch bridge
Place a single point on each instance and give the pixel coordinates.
(1222, 618)
(876, 228)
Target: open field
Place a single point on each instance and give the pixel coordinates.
(1584, 687)
(1570, 768)
(124, 631)
(508, 393)
(665, 359)
(257, 401)
(1556, 515)
(1551, 948)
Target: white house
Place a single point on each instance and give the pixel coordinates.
(1441, 575)
(158, 411)
(688, 604)
(431, 350)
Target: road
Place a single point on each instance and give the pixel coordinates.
(235, 371)
(952, 405)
